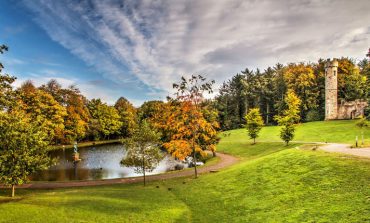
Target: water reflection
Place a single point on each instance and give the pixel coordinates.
(100, 162)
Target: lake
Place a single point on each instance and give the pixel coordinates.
(97, 163)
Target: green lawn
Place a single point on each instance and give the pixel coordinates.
(272, 183)
(329, 131)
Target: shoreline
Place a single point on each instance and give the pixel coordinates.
(85, 144)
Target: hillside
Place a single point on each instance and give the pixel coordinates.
(272, 183)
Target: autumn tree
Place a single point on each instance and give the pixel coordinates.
(149, 110)
(143, 153)
(352, 84)
(290, 117)
(23, 148)
(77, 120)
(78, 116)
(43, 109)
(191, 133)
(301, 79)
(254, 123)
(128, 116)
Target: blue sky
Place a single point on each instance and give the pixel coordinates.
(137, 49)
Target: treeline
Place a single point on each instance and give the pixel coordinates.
(66, 115)
(266, 90)
(69, 116)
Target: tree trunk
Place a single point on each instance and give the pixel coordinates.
(195, 161)
(214, 153)
(144, 173)
(13, 190)
(254, 140)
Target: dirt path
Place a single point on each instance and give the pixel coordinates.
(338, 148)
(225, 161)
(345, 148)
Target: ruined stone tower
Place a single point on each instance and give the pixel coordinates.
(331, 89)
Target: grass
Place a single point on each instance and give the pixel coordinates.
(344, 131)
(272, 183)
(86, 144)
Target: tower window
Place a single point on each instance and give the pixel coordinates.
(334, 72)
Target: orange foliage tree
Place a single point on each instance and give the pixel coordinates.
(188, 131)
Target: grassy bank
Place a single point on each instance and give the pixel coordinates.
(272, 183)
(86, 144)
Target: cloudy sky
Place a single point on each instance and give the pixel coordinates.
(137, 49)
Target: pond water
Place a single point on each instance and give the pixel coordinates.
(98, 162)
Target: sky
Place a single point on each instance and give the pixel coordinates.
(138, 48)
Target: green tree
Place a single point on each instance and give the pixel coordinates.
(23, 148)
(149, 110)
(6, 89)
(290, 117)
(128, 115)
(254, 123)
(105, 120)
(362, 123)
(143, 153)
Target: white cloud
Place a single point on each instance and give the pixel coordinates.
(155, 42)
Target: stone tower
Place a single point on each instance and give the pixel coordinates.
(331, 89)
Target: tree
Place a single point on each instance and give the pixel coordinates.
(128, 116)
(289, 117)
(191, 133)
(143, 151)
(105, 120)
(149, 110)
(23, 148)
(78, 116)
(6, 89)
(43, 109)
(352, 84)
(362, 123)
(76, 122)
(254, 123)
(302, 80)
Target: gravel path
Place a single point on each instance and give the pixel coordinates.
(345, 148)
(225, 161)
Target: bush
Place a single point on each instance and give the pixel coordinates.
(313, 115)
